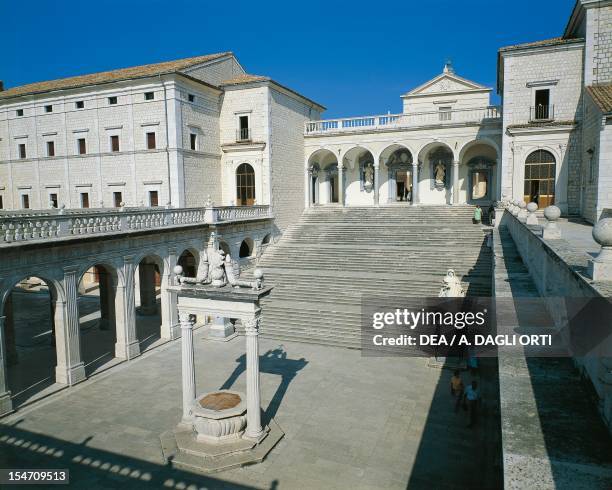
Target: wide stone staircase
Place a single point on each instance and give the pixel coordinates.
(326, 261)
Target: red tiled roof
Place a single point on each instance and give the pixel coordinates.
(602, 96)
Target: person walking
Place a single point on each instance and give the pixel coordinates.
(472, 397)
(477, 215)
(456, 386)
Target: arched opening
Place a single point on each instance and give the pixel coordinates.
(322, 177)
(360, 176)
(189, 263)
(148, 301)
(246, 248)
(97, 325)
(540, 173)
(436, 170)
(245, 185)
(400, 173)
(29, 339)
(478, 169)
(266, 239)
(225, 247)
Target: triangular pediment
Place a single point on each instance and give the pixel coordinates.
(446, 83)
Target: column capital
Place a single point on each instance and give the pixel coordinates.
(128, 259)
(251, 325)
(185, 320)
(71, 269)
(455, 162)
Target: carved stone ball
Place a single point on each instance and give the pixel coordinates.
(258, 274)
(602, 232)
(532, 207)
(178, 270)
(552, 213)
(522, 204)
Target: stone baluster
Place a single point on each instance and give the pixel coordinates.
(551, 230)
(600, 267)
(6, 404)
(415, 182)
(532, 219)
(522, 213)
(187, 366)
(455, 182)
(253, 429)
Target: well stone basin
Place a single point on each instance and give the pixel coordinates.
(219, 416)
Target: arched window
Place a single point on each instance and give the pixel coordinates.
(245, 185)
(540, 171)
(246, 248)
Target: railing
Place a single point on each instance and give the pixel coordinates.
(542, 113)
(46, 225)
(393, 121)
(243, 134)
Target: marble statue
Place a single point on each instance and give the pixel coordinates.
(451, 287)
(440, 173)
(369, 174)
(202, 274)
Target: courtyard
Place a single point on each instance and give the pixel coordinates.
(349, 421)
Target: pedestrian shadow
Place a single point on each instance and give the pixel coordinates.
(275, 361)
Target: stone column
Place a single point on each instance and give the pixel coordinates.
(127, 346)
(70, 368)
(341, 185)
(253, 428)
(12, 357)
(455, 182)
(6, 404)
(170, 324)
(415, 182)
(376, 184)
(187, 366)
(148, 303)
(309, 188)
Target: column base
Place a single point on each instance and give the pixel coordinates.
(127, 351)
(70, 376)
(6, 403)
(257, 437)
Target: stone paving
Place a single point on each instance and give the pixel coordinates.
(579, 234)
(349, 421)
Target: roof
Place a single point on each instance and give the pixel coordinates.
(555, 41)
(541, 124)
(141, 71)
(602, 96)
(460, 84)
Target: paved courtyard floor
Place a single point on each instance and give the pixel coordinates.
(349, 422)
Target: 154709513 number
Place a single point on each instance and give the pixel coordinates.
(27, 476)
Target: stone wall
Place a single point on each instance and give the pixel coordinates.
(590, 163)
(598, 67)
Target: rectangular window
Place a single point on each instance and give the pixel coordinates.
(50, 148)
(84, 199)
(150, 141)
(25, 201)
(79, 104)
(19, 112)
(82, 146)
(48, 108)
(114, 142)
(542, 104)
(53, 200)
(190, 97)
(149, 95)
(193, 141)
(22, 150)
(445, 113)
(112, 100)
(243, 128)
(117, 199)
(153, 199)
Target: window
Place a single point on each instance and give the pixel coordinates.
(540, 173)
(53, 200)
(114, 142)
(112, 100)
(193, 141)
(149, 95)
(50, 148)
(245, 185)
(22, 150)
(445, 113)
(151, 141)
(542, 109)
(19, 112)
(81, 146)
(244, 133)
(190, 97)
(84, 199)
(1, 202)
(117, 199)
(48, 108)
(79, 104)
(153, 199)
(25, 201)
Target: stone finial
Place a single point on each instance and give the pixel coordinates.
(62, 209)
(532, 219)
(522, 214)
(448, 67)
(600, 267)
(121, 206)
(178, 272)
(209, 202)
(551, 229)
(515, 208)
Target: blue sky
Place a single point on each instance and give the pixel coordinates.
(356, 58)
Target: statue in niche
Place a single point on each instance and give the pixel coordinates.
(404, 157)
(439, 173)
(368, 176)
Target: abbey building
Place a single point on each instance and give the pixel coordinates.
(183, 132)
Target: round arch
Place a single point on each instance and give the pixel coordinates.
(223, 245)
(247, 248)
(398, 160)
(188, 260)
(320, 172)
(245, 185)
(468, 145)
